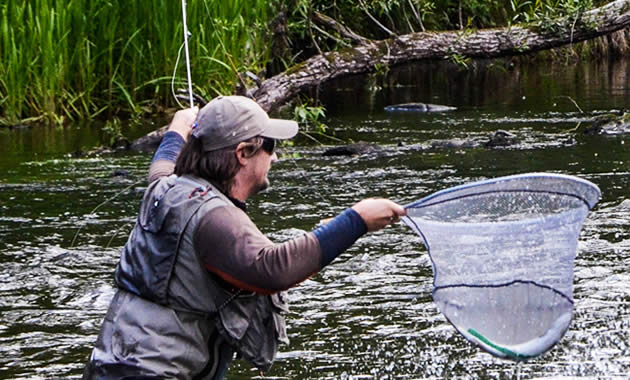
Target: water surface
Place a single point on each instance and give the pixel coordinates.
(369, 315)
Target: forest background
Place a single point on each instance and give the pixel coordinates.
(68, 60)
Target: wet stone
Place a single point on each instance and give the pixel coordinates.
(418, 107)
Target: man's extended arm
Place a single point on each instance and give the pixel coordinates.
(231, 246)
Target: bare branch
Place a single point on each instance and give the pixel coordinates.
(343, 30)
(364, 8)
(325, 33)
(415, 13)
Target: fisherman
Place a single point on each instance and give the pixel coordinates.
(198, 283)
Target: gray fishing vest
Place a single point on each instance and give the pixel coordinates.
(159, 264)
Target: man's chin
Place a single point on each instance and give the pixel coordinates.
(263, 186)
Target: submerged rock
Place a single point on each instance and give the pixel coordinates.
(352, 149)
(418, 107)
(120, 173)
(609, 125)
(20, 126)
(149, 142)
(498, 138)
(455, 143)
(501, 138)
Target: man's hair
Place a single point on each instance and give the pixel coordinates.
(217, 166)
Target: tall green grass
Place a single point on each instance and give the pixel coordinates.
(72, 59)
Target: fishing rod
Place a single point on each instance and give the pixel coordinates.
(186, 35)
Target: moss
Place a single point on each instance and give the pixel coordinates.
(295, 68)
(349, 54)
(605, 118)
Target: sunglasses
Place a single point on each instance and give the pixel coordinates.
(268, 145)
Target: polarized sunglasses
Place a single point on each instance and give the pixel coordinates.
(268, 145)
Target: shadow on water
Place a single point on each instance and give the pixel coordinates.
(370, 315)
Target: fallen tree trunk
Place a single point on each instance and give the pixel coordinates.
(486, 43)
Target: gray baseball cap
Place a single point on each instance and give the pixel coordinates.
(228, 120)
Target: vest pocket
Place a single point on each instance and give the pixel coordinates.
(281, 307)
(254, 325)
(235, 316)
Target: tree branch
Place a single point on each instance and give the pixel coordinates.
(343, 30)
(364, 8)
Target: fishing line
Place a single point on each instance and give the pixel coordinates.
(101, 205)
(190, 92)
(179, 53)
(116, 234)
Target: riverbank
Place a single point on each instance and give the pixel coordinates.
(106, 59)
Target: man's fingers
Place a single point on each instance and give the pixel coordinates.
(378, 212)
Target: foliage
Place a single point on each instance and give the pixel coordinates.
(375, 79)
(550, 17)
(79, 58)
(113, 131)
(310, 117)
(460, 60)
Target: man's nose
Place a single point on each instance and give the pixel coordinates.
(274, 157)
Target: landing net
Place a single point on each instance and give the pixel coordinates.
(502, 253)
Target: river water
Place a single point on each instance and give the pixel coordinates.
(369, 315)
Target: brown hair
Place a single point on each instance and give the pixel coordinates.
(217, 166)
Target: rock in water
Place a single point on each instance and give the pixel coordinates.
(502, 138)
(120, 173)
(454, 143)
(418, 107)
(150, 142)
(351, 149)
(609, 125)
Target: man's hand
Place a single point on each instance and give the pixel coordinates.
(378, 212)
(183, 120)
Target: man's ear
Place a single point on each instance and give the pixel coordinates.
(241, 155)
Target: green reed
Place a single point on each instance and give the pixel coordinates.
(72, 59)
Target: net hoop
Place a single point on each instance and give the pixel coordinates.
(590, 196)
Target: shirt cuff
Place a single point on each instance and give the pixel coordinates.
(339, 234)
(170, 147)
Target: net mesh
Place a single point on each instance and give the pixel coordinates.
(502, 253)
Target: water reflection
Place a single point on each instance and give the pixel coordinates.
(370, 315)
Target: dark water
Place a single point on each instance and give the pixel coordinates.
(370, 315)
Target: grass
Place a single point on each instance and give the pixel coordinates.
(74, 59)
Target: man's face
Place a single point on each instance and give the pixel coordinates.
(260, 165)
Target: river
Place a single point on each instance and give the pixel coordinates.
(370, 315)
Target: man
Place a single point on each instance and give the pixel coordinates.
(198, 282)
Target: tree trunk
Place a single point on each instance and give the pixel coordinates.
(486, 43)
